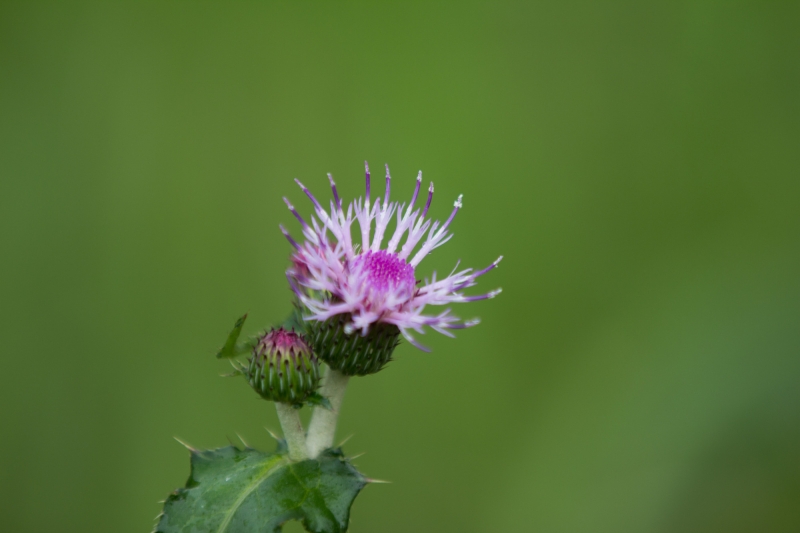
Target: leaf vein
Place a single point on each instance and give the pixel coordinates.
(245, 493)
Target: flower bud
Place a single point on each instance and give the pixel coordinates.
(349, 352)
(283, 367)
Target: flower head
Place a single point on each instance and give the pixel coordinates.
(366, 286)
(283, 368)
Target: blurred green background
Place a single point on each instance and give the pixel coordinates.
(637, 164)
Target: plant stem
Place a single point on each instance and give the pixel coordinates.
(292, 431)
(322, 428)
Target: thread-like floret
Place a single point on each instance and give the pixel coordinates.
(386, 278)
(334, 276)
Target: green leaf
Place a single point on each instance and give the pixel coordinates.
(249, 491)
(231, 348)
(320, 400)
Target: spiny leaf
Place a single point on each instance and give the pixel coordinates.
(231, 348)
(249, 491)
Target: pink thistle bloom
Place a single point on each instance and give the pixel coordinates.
(331, 275)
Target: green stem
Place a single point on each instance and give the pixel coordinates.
(322, 428)
(292, 431)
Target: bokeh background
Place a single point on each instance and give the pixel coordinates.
(638, 164)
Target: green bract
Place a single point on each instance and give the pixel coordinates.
(352, 354)
(283, 368)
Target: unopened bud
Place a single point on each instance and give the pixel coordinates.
(283, 368)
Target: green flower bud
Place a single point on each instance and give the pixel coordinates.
(283, 367)
(349, 352)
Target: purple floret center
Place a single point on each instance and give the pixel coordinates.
(386, 271)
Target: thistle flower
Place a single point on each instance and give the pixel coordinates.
(368, 289)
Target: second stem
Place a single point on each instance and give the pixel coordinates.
(322, 429)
